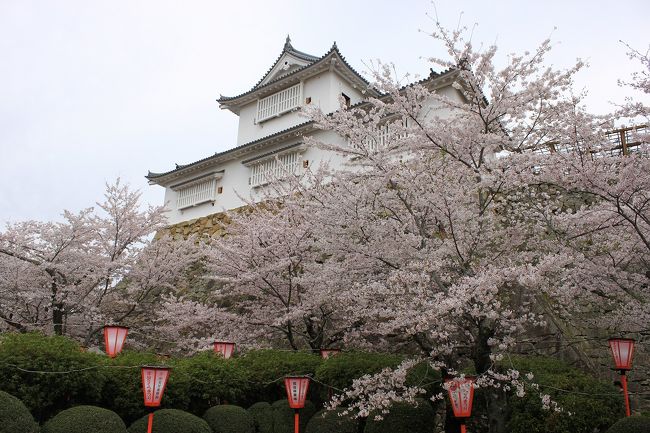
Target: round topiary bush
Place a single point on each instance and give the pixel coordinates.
(14, 416)
(227, 418)
(404, 418)
(632, 424)
(328, 421)
(283, 416)
(262, 414)
(84, 419)
(171, 421)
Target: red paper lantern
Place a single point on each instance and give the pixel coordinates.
(154, 381)
(297, 387)
(326, 353)
(114, 337)
(225, 348)
(622, 350)
(461, 395)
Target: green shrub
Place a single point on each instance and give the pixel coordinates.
(171, 421)
(339, 371)
(331, 421)
(594, 405)
(229, 419)
(283, 421)
(218, 380)
(265, 366)
(46, 394)
(403, 418)
(632, 424)
(85, 419)
(262, 414)
(14, 416)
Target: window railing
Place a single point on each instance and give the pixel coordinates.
(276, 168)
(196, 193)
(384, 136)
(279, 103)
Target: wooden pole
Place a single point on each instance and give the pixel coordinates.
(627, 398)
(296, 422)
(150, 424)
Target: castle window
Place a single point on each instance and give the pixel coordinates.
(346, 98)
(386, 135)
(276, 168)
(279, 103)
(195, 193)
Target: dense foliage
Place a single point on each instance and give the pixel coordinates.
(283, 416)
(171, 421)
(265, 367)
(328, 421)
(594, 405)
(633, 424)
(229, 419)
(83, 419)
(14, 416)
(339, 371)
(262, 414)
(47, 394)
(403, 418)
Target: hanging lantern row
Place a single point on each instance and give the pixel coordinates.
(461, 390)
(622, 351)
(115, 336)
(461, 395)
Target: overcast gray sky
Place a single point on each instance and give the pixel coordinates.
(93, 90)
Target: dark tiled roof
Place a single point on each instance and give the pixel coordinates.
(151, 175)
(333, 49)
(288, 48)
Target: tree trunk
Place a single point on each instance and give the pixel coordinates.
(496, 400)
(57, 318)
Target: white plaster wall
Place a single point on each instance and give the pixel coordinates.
(324, 90)
(236, 190)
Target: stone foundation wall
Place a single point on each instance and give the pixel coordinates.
(208, 226)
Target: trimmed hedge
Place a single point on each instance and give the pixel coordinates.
(283, 421)
(14, 416)
(329, 421)
(262, 414)
(403, 418)
(85, 419)
(227, 418)
(339, 371)
(632, 424)
(47, 394)
(266, 366)
(171, 421)
(594, 405)
(221, 380)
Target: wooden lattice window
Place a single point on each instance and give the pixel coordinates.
(196, 193)
(275, 168)
(279, 102)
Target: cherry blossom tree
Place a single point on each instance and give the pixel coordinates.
(95, 266)
(263, 268)
(458, 235)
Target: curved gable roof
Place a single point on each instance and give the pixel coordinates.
(312, 62)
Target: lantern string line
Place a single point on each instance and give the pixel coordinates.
(281, 378)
